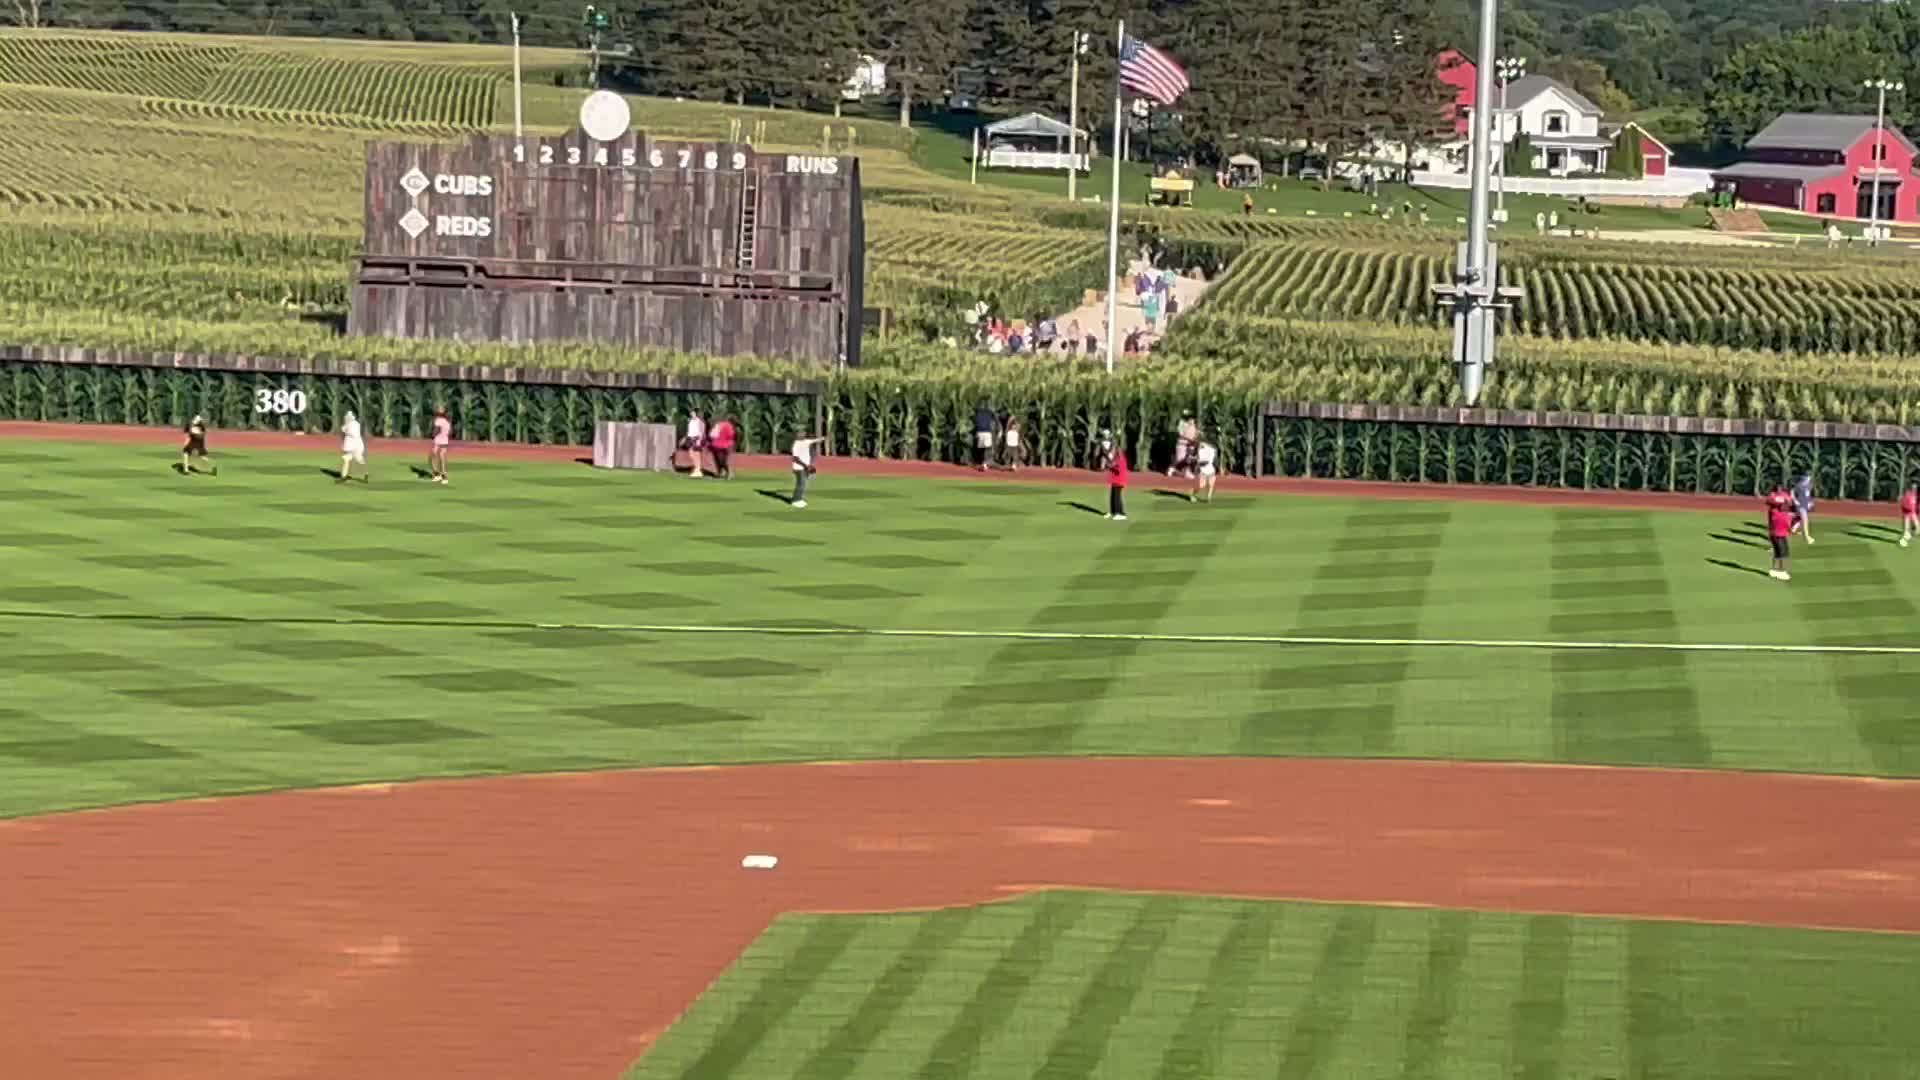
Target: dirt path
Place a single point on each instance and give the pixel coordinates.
(396, 453)
(1092, 317)
(552, 926)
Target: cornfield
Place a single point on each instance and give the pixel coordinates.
(1775, 300)
(186, 77)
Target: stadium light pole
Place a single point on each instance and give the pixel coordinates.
(1879, 153)
(1080, 40)
(1475, 294)
(1508, 68)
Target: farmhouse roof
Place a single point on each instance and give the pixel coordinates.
(1833, 132)
(1767, 170)
(1033, 124)
(1644, 133)
(1575, 142)
(1527, 87)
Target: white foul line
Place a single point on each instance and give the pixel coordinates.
(1240, 639)
(991, 635)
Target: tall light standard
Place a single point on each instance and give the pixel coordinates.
(1507, 68)
(1081, 39)
(1879, 152)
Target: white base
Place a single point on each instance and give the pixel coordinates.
(759, 862)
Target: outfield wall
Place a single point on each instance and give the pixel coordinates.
(1585, 451)
(555, 406)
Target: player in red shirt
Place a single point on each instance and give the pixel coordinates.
(1115, 460)
(1779, 528)
(1909, 514)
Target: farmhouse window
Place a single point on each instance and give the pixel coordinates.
(1556, 123)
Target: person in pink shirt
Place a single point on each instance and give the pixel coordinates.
(720, 440)
(442, 437)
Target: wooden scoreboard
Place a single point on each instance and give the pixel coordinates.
(609, 235)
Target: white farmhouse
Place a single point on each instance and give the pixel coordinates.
(869, 77)
(1562, 125)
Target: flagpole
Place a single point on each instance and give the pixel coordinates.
(1113, 219)
(973, 177)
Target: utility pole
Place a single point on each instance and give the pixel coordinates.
(1508, 69)
(518, 131)
(1080, 40)
(1879, 153)
(1475, 296)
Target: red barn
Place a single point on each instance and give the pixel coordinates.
(1823, 163)
(1459, 73)
(1654, 154)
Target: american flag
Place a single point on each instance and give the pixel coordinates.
(1149, 72)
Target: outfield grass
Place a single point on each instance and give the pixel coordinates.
(1075, 984)
(440, 671)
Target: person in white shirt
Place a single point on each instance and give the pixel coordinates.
(802, 468)
(696, 441)
(353, 451)
(1207, 457)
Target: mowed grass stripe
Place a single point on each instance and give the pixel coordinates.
(1317, 1025)
(778, 993)
(1608, 708)
(1194, 1052)
(1859, 602)
(1063, 984)
(1105, 999)
(843, 1050)
(995, 1000)
(1362, 590)
(1051, 711)
(1438, 992)
(1541, 1011)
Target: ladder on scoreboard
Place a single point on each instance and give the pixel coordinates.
(749, 215)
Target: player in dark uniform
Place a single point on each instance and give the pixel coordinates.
(196, 447)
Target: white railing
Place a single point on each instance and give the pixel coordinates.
(1001, 157)
(1677, 182)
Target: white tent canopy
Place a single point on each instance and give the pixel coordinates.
(1244, 160)
(1021, 142)
(1031, 125)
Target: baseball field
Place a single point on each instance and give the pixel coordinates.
(1270, 903)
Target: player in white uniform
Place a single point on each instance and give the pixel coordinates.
(1207, 457)
(353, 451)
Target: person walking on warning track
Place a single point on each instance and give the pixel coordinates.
(1208, 457)
(696, 440)
(442, 438)
(1115, 461)
(353, 451)
(1779, 529)
(721, 442)
(1909, 514)
(982, 436)
(803, 468)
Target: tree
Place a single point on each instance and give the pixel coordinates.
(1629, 154)
(1816, 71)
(1590, 80)
(921, 43)
(1518, 156)
(27, 13)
